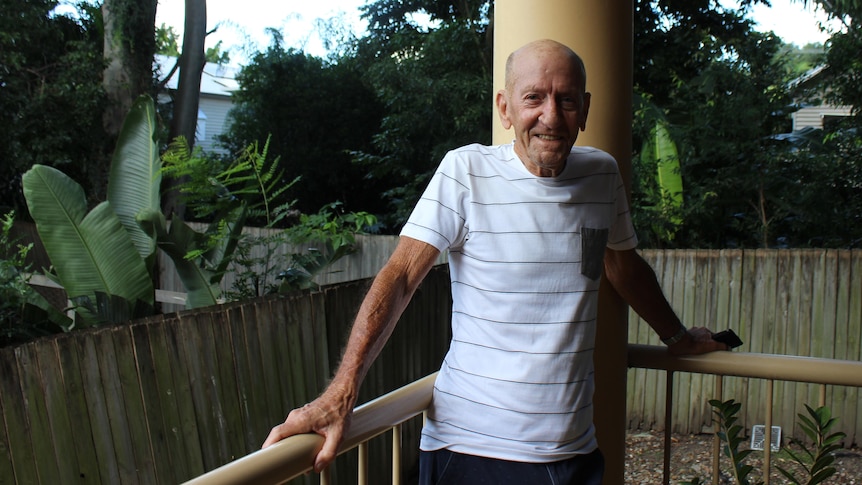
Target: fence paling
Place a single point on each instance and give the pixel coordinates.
(778, 301)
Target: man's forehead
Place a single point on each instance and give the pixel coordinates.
(546, 84)
(538, 75)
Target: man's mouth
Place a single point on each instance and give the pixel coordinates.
(549, 137)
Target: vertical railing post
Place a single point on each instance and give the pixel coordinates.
(326, 476)
(716, 441)
(668, 425)
(362, 478)
(767, 446)
(396, 455)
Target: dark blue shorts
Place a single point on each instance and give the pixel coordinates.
(443, 467)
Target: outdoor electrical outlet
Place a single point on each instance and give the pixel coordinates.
(758, 437)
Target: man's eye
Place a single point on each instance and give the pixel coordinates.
(569, 103)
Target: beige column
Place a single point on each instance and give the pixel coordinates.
(601, 32)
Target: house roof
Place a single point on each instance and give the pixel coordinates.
(216, 79)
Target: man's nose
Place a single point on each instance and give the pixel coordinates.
(550, 116)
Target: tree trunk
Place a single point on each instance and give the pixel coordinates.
(129, 47)
(192, 61)
(187, 97)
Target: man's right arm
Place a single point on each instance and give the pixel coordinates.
(329, 415)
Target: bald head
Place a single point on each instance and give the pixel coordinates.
(545, 103)
(540, 49)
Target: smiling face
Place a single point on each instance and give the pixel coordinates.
(545, 104)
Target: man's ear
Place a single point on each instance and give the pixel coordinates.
(585, 110)
(502, 109)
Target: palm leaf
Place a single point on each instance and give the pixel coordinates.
(135, 179)
(90, 252)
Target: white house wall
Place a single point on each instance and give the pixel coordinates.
(216, 110)
(217, 84)
(812, 116)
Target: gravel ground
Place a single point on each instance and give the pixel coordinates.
(691, 456)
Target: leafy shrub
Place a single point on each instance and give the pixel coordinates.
(24, 313)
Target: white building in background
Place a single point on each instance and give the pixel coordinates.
(815, 116)
(217, 86)
(811, 116)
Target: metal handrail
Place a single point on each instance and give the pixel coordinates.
(294, 456)
(740, 364)
(764, 366)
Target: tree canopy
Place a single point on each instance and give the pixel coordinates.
(367, 125)
(314, 113)
(725, 91)
(51, 98)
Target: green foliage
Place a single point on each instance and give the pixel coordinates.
(253, 185)
(801, 60)
(815, 462)
(313, 113)
(843, 64)
(168, 44)
(845, 68)
(332, 226)
(334, 235)
(435, 86)
(228, 195)
(662, 195)
(51, 97)
(824, 173)
(321, 239)
(103, 250)
(24, 313)
(90, 251)
(723, 90)
(731, 434)
(213, 188)
(104, 258)
(167, 41)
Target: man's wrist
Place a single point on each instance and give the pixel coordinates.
(679, 335)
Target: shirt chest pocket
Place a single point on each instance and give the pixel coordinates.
(593, 243)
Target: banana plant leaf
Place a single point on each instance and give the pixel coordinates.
(135, 179)
(90, 252)
(664, 152)
(660, 149)
(177, 241)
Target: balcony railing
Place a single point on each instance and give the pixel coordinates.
(293, 457)
(761, 366)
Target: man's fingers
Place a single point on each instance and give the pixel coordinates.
(328, 452)
(294, 424)
(277, 434)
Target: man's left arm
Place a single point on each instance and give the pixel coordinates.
(636, 282)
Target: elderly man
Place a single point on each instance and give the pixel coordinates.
(530, 228)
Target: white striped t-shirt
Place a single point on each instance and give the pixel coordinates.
(525, 258)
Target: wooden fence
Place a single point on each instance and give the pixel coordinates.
(371, 254)
(167, 398)
(791, 302)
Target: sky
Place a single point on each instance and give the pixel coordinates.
(244, 23)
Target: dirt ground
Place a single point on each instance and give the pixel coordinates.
(691, 456)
